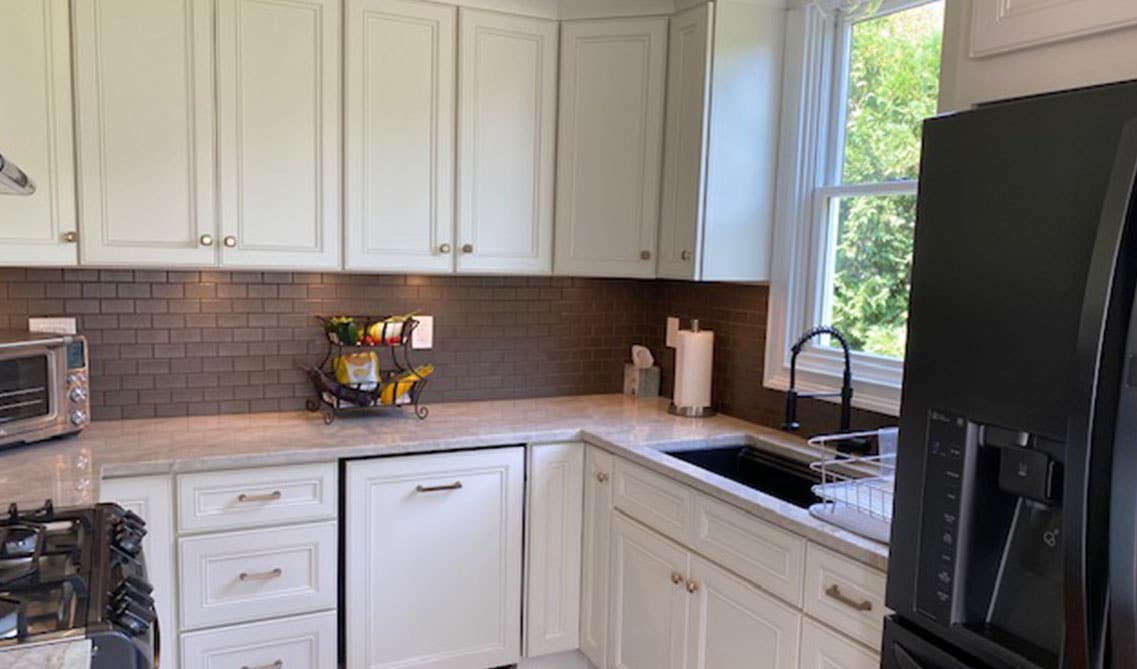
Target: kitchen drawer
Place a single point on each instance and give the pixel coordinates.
(767, 556)
(845, 594)
(237, 498)
(302, 642)
(656, 501)
(822, 648)
(254, 574)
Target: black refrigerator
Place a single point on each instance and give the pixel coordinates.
(1014, 536)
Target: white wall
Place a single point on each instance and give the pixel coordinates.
(964, 81)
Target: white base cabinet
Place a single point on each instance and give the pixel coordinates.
(596, 541)
(302, 642)
(433, 560)
(824, 649)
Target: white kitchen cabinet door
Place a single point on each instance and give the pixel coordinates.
(401, 85)
(721, 140)
(688, 101)
(152, 498)
(507, 83)
(610, 146)
(824, 649)
(35, 133)
(553, 548)
(733, 624)
(596, 542)
(649, 601)
(278, 108)
(999, 27)
(433, 551)
(144, 128)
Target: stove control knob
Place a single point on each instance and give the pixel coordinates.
(139, 584)
(133, 519)
(77, 394)
(134, 617)
(128, 539)
(78, 418)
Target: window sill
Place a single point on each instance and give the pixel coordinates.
(876, 385)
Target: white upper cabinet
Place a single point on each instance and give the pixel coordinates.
(35, 133)
(278, 99)
(723, 97)
(507, 91)
(610, 146)
(401, 84)
(144, 131)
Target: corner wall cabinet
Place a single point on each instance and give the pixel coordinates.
(144, 128)
(610, 146)
(433, 552)
(721, 141)
(401, 84)
(507, 96)
(36, 132)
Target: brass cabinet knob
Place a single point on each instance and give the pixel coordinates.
(602, 477)
(206, 240)
(71, 237)
(676, 577)
(692, 586)
(230, 241)
(467, 248)
(444, 248)
(645, 255)
(686, 255)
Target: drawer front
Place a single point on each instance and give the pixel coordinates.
(240, 498)
(769, 557)
(845, 594)
(251, 575)
(656, 501)
(302, 642)
(822, 648)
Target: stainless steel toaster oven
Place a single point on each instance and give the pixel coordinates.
(44, 388)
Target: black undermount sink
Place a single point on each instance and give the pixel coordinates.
(785, 478)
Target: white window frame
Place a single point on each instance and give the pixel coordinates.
(809, 177)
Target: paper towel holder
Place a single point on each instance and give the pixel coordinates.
(690, 412)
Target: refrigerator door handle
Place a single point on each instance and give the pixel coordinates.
(1098, 370)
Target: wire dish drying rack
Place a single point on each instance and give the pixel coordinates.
(856, 492)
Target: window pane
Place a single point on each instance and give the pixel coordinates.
(870, 267)
(894, 69)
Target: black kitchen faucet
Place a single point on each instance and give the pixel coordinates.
(791, 423)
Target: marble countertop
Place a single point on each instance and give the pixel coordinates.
(69, 470)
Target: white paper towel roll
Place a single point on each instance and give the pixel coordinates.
(693, 360)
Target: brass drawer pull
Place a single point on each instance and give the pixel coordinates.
(457, 485)
(835, 592)
(267, 497)
(262, 576)
(692, 586)
(275, 665)
(676, 577)
(602, 477)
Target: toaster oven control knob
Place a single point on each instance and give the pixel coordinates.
(78, 418)
(77, 394)
(76, 379)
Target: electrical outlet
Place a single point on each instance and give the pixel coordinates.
(672, 331)
(423, 334)
(63, 326)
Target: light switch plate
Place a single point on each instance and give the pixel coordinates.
(64, 326)
(423, 334)
(672, 331)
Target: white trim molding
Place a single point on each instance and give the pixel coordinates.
(809, 166)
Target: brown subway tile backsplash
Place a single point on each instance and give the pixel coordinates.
(172, 343)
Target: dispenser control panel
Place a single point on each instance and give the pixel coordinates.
(939, 536)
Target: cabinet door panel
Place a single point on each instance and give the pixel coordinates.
(433, 575)
(152, 498)
(735, 625)
(610, 146)
(144, 131)
(824, 649)
(648, 611)
(401, 85)
(596, 542)
(555, 496)
(35, 114)
(506, 135)
(278, 111)
(684, 161)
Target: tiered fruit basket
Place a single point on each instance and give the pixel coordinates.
(385, 343)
